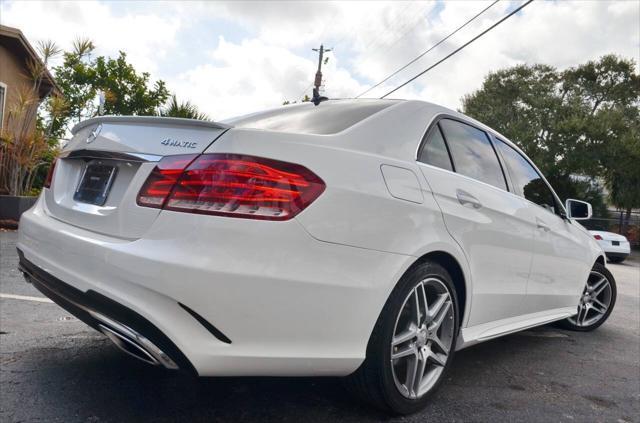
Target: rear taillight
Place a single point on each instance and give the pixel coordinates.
(598, 237)
(235, 186)
(162, 179)
(49, 179)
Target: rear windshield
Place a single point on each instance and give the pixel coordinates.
(329, 117)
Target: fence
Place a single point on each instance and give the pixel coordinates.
(613, 221)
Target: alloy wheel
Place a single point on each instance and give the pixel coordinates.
(423, 336)
(594, 302)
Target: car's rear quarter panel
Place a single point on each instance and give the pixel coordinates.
(357, 209)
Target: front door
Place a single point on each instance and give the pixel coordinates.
(559, 270)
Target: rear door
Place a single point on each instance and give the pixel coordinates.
(466, 178)
(100, 171)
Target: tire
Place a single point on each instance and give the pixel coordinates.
(378, 380)
(606, 296)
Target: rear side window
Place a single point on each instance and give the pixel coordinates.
(434, 151)
(526, 179)
(329, 117)
(472, 153)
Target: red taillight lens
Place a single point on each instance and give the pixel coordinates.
(236, 186)
(49, 179)
(162, 179)
(598, 237)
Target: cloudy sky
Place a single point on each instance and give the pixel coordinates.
(232, 58)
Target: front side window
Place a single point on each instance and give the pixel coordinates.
(434, 151)
(472, 153)
(526, 179)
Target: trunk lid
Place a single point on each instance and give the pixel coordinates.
(102, 168)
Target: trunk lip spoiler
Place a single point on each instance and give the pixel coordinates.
(150, 120)
(86, 154)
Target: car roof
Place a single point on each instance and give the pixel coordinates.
(327, 118)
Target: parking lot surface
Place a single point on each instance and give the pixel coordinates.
(55, 368)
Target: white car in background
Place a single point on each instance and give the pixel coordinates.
(616, 247)
(362, 238)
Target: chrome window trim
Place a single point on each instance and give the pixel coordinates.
(493, 134)
(488, 133)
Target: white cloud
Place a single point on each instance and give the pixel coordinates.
(264, 57)
(253, 75)
(145, 37)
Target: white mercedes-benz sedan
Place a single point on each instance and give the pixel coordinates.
(361, 238)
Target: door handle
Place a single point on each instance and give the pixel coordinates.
(541, 225)
(467, 199)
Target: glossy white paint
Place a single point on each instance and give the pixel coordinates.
(402, 183)
(495, 237)
(301, 297)
(561, 262)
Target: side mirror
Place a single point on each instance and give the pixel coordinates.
(578, 210)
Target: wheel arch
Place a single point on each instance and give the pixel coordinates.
(600, 259)
(451, 264)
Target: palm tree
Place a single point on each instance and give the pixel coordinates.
(182, 110)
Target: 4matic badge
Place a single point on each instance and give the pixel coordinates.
(175, 143)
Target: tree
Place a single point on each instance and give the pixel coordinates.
(126, 92)
(25, 148)
(182, 110)
(582, 121)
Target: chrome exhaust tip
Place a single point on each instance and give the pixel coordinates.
(133, 343)
(128, 346)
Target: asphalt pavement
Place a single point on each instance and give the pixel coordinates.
(54, 368)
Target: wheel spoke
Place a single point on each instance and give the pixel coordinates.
(417, 306)
(439, 359)
(426, 304)
(437, 341)
(601, 287)
(422, 362)
(442, 314)
(412, 370)
(599, 306)
(601, 281)
(405, 352)
(585, 313)
(404, 336)
(580, 309)
(437, 306)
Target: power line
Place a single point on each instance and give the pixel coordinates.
(428, 50)
(459, 48)
(378, 40)
(388, 46)
(353, 30)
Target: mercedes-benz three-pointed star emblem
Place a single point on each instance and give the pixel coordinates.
(94, 134)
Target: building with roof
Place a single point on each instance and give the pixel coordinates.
(16, 55)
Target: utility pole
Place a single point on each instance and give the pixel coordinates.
(318, 81)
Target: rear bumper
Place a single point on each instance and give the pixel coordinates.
(289, 305)
(109, 317)
(616, 255)
(624, 248)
